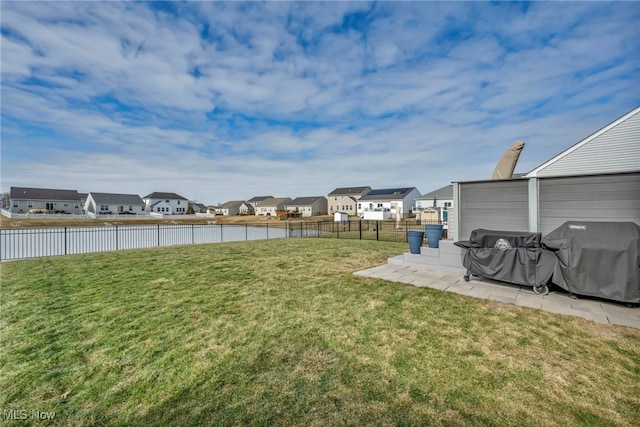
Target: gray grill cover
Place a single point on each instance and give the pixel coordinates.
(509, 256)
(599, 259)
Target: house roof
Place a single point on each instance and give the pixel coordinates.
(305, 201)
(230, 204)
(274, 201)
(259, 199)
(445, 192)
(598, 148)
(349, 190)
(351, 198)
(388, 193)
(42, 194)
(169, 196)
(113, 199)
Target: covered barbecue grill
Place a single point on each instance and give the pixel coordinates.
(509, 256)
(598, 259)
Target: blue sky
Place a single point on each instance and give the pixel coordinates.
(223, 101)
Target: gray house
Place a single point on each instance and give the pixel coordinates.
(111, 204)
(308, 206)
(230, 208)
(596, 179)
(441, 198)
(44, 200)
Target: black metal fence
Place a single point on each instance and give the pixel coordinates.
(43, 242)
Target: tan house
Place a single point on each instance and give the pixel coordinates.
(336, 199)
(44, 200)
(270, 207)
(308, 206)
(257, 201)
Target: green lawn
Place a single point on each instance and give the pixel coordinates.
(280, 332)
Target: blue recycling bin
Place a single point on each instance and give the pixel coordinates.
(434, 234)
(415, 240)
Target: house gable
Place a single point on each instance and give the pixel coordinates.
(614, 148)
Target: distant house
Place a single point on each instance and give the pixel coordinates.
(257, 201)
(198, 207)
(308, 206)
(166, 203)
(25, 199)
(336, 201)
(246, 209)
(269, 207)
(347, 204)
(440, 198)
(110, 203)
(388, 200)
(230, 208)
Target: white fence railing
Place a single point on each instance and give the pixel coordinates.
(43, 242)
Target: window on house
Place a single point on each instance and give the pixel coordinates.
(29, 205)
(104, 208)
(16, 204)
(178, 201)
(447, 204)
(130, 208)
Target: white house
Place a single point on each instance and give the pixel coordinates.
(166, 203)
(109, 203)
(24, 199)
(308, 206)
(392, 200)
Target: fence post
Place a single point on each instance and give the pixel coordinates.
(158, 234)
(65, 240)
(246, 231)
(267, 231)
(360, 229)
(221, 236)
(116, 237)
(377, 230)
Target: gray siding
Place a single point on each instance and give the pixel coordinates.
(493, 205)
(615, 150)
(588, 198)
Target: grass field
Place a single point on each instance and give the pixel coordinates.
(280, 332)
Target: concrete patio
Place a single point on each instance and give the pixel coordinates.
(557, 301)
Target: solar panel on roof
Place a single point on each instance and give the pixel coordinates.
(386, 191)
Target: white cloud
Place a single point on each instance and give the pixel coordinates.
(295, 99)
